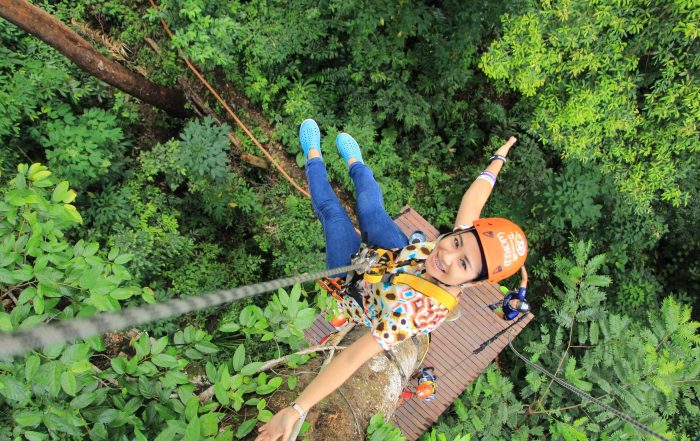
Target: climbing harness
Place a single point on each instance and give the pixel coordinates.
(20, 342)
(381, 266)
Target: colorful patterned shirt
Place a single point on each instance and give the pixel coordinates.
(397, 312)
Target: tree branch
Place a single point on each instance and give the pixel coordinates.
(209, 392)
(56, 34)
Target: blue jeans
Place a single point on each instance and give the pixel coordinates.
(376, 226)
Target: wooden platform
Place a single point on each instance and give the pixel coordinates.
(450, 344)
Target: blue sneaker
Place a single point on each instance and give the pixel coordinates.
(309, 137)
(348, 147)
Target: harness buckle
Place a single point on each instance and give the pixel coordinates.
(366, 257)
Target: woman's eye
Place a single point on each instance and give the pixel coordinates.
(464, 265)
(456, 243)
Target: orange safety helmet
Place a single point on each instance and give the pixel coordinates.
(504, 245)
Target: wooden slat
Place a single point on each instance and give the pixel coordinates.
(451, 345)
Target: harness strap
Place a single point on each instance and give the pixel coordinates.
(426, 288)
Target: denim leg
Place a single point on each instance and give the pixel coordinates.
(375, 224)
(340, 235)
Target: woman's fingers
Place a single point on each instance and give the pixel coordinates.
(512, 140)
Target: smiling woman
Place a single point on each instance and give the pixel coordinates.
(475, 251)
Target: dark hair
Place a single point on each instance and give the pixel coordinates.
(484, 270)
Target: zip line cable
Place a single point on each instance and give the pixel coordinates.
(20, 342)
(586, 396)
(556, 379)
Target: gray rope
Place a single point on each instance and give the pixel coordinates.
(20, 342)
(586, 396)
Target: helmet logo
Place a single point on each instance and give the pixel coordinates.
(512, 247)
(520, 246)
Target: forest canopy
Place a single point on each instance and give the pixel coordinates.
(107, 202)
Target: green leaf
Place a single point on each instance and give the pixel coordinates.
(159, 345)
(210, 424)
(83, 400)
(192, 408)
(5, 322)
(27, 294)
(60, 192)
(68, 383)
(292, 382)
(251, 368)
(229, 327)
(124, 258)
(27, 418)
(31, 366)
(221, 394)
(264, 415)
(245, 428)
(119, 365)
(207, 347)
(107, 416)
(124, 293)
(239, 358)
(73, 213)
(164, 360)
(35, 436)
(226, 435)
(113, 252)
(193, 429)
(38, 305)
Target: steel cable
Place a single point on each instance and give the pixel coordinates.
(586, 396)
(20, 342)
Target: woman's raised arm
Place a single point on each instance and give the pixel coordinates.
(329, 379)
(478, 193)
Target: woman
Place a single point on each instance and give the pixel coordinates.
(477, 250)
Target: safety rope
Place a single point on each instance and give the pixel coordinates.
(20, 342)
(559, 381)
(586, 396)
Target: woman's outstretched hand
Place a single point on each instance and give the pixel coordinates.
(505, 148)
(279, 427)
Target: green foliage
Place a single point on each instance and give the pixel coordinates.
(379, 430)
(36, 255)
(489, 408)
(588, 346)
(284, 319)
(611, 83)
(602, 96)
(147, 391)
(293, 237)
(82, 149)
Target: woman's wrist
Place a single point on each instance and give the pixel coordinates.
(298, 409)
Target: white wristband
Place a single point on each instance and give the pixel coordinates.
(298, 408)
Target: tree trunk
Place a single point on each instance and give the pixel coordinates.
(56, 34)
(375, 387)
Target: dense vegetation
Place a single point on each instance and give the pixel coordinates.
(106, 203)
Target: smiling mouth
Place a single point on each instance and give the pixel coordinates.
(438, 263)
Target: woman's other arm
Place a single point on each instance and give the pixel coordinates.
(329, 379)
(478, 193)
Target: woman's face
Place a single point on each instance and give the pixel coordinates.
(455, 260)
